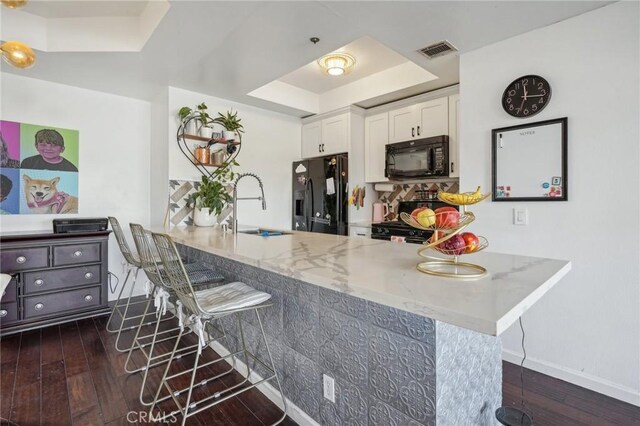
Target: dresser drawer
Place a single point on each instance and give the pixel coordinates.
(76, 253)
(50, 304)
(9, 294)
(20, 259)
(36, 282)
(8, 313)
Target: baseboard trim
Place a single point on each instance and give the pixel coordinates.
(578, 378)
(293, 411)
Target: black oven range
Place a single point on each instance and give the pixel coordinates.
(397, 228)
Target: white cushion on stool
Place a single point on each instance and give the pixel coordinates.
(231, 296)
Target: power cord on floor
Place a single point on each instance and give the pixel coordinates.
(524, 357)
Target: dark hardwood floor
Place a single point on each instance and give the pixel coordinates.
(72, 375)
(553, 402)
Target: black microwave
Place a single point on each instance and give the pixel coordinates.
(418, 159)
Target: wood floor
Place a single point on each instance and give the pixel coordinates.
(553, 402)
(71, 375)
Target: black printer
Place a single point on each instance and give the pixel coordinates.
(79, 225)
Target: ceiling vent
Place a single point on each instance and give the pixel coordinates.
(438, 49)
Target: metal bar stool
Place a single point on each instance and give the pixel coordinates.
(146, 343)
(133, 265)
(198, 272)
(203, 308)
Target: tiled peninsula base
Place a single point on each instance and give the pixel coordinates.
(390, 367)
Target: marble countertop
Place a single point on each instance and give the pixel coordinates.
(385, 273)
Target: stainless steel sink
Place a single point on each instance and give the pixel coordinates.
(264, 232)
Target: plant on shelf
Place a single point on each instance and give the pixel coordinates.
(199, 114)
(212, 195)
(231, 123)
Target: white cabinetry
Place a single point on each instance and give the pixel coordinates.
(376, 138)
(311, 139)
(454, 142)
(433, 118)
(359, 231)
(423, 120)
(335, 134)
(326, 137)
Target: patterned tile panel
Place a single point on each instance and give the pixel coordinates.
(343, 303)
(350, 408)
(405, 323)
(301, 326)
(302, 382)
(469, 372)
(382, 414)
(343, 347)
(402, 374)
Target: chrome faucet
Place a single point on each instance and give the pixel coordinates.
(235, 198)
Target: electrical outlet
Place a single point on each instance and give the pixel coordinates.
(520, 216)
(329, 387)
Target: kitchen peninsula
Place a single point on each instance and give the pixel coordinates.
(404, 347)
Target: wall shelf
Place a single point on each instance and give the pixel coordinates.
(208, 140)
(206, 169)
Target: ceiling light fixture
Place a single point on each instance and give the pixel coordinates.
(18, 54)
(14, 52)
(337, 63)
(14, 4)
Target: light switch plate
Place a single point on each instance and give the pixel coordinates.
(520, 216)
(329, 387)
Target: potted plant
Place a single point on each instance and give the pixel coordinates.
(231, 123)
(212, 196)
(200, 118)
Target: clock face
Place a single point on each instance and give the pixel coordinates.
(526, 96)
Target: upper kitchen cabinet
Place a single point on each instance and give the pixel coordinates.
(376, 138)
(311, 139)
(422, 120)
(454, 141)
(326, 136)
(423, 116)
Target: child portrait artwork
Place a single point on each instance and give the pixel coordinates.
(39, 168)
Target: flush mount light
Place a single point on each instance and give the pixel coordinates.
(14, 4)
(17, 54)
(337, 63)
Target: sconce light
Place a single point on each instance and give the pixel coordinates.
(337, 63)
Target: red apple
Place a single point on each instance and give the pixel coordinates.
(471, 241)
(453, 246)
(447, 217)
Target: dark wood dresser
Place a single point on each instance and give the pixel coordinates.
(56, 278)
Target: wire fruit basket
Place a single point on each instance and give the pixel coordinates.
(448, 237)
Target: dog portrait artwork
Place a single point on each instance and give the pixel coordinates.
(43, 197)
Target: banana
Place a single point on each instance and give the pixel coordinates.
(461, 199)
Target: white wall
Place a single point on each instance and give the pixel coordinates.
(159, 157)
(587, 329)
(270, 144)
(114, 149)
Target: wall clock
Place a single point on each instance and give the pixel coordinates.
(526, 96)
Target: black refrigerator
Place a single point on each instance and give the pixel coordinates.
(320, 195)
